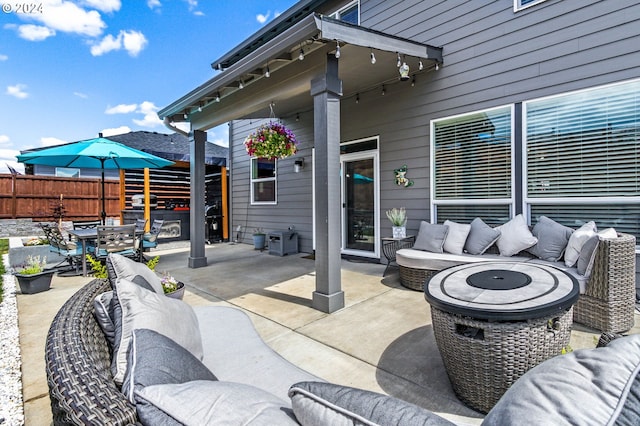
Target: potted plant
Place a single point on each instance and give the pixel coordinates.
(398, 218)
(32, 277)
(172, 287)
(259, 238)
(271, 141)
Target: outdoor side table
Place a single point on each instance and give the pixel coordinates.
(493, 321)
(391, 245)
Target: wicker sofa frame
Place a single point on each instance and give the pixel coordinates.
(77, 358)
(608, 302)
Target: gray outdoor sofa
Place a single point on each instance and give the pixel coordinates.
(240, 380)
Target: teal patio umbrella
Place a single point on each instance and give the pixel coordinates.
(98, 153)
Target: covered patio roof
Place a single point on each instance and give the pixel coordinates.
(269, 71)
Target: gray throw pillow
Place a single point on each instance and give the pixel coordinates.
(145, 309)
(320, 404)
(481, 237)
(588, 256)
(515, 237)
(203, 402)
(154, 359)
(431, 237)
(103, 311)
(552, 239)
(128, 269)
(584, 387)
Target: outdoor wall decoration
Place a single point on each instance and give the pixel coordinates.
(401, 178)
(273, 140)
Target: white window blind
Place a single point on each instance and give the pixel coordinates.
(584, 144)
(472, 156)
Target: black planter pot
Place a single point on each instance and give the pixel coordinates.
(35, 283)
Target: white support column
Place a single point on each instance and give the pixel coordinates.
(326, 91)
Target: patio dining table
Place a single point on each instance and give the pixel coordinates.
(88, 234)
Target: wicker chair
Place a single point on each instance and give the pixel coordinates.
(77, 358)
(609, 301)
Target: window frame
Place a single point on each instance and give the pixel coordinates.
(253, 181)
(509, 202)
(338, 13)
(518, 6)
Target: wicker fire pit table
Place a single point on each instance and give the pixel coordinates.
(494, 321)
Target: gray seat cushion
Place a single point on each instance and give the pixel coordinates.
(585, 387)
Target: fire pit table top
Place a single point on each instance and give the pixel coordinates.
(502, 291)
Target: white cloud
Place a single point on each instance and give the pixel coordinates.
(4, 139)
(262, 18)
(68, 17)
(151, 118)
(104, 5)
(50, 141)
(18, 91)
(3, 57)
(152, 4)
(115, 131)
(219, 135)
(192, 4)
(35, 32)
(8, 157)
(81, 95)
(122, 109)
(184, 126)
(132, 41)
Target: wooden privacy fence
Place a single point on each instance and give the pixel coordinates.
(36, 197)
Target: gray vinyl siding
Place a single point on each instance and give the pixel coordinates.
(294, 193)
(493, 56)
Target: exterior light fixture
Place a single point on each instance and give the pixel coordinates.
(337, 50)
(373, 57)
(298, 165)
(404, 72)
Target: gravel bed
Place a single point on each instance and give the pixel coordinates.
(11, 408)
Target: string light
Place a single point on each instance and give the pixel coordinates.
(301, 55)
(413, 81)
(399, 61)
(420, 65)
(437, 66)
(241, 85)
(217, 97)
(357, 98)
(267, 73)
(337, 50)
(373, 57)
(383, 90)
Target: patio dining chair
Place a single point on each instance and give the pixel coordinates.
(119, 239)
(58, 244)
(87, 224)
(150, 239)
(141, 224)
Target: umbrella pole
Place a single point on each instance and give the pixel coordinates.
(103, 214)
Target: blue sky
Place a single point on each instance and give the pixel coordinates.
(73, 68)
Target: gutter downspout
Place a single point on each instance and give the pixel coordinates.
(173, 128)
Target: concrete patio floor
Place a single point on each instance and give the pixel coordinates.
(382, 340)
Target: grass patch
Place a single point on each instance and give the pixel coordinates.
(4, 248)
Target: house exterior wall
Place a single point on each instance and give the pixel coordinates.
(493, 56)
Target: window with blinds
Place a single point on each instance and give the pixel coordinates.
(583, 153)
(584, 144)
(471, 157)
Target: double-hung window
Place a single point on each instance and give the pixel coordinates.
(472, 166)
(523, 4)
(263, 181)
(582, 157)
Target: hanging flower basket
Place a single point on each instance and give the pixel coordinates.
(271, 141)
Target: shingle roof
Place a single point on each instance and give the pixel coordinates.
(173, 146)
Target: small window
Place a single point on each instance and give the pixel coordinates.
(67, 172)
(263, 181)
(523, 4)
(349, 13)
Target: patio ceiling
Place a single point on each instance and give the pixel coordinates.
(221, 99)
